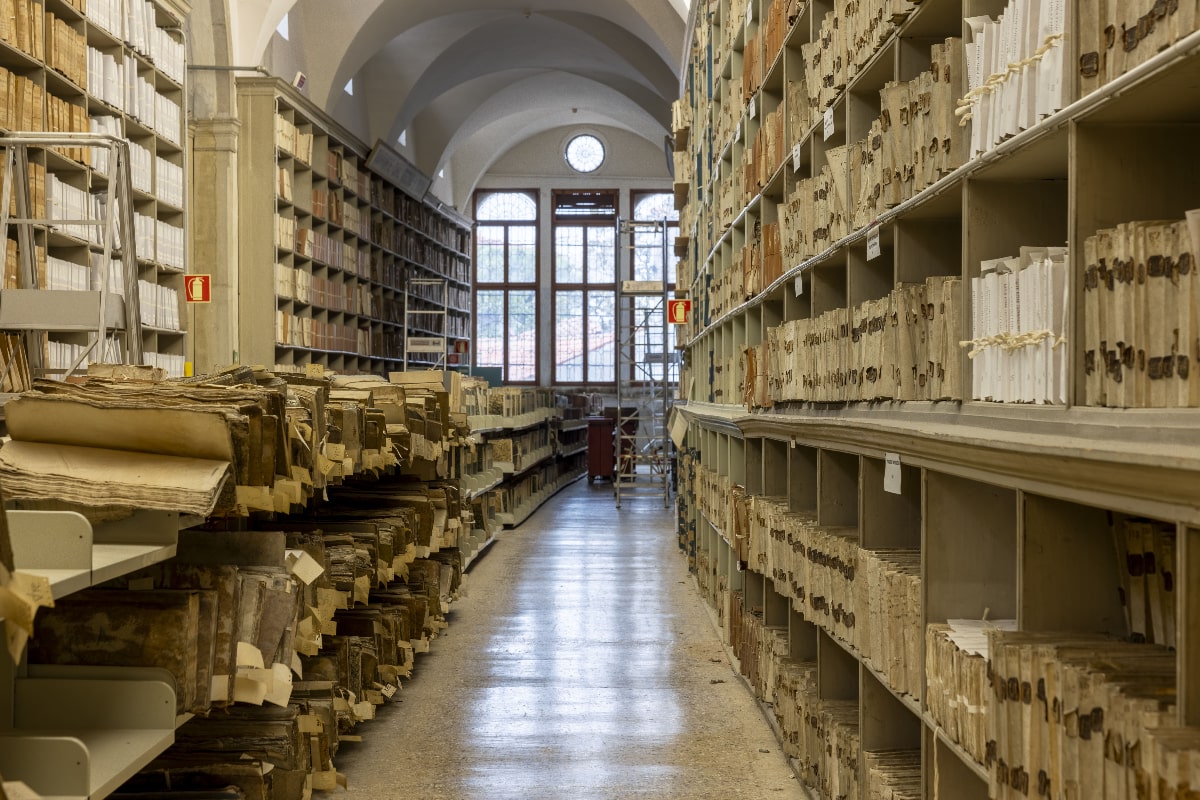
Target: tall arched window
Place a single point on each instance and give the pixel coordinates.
(506, 284)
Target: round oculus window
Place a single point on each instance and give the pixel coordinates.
(585, 153)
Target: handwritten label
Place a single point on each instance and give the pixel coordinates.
(796, 157)
(891, 473)
(828, 123)
(753, 107)
(314, 371)
(873, 250)
(799, 285)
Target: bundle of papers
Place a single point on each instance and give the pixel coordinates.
(900, 347)
(1019, 315)
(1141, 300)
(1017, 70)
(1074, 714)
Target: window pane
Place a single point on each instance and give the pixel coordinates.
(568, 254)
(522, 254)
(652, 207)
(647, 255)
(602, 252)
(648, 340)
(568, 337)
(489, 329)
(489, 253)
(602, 337)
(522, 336)
(506, 206)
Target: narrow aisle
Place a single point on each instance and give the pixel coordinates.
(582, 664)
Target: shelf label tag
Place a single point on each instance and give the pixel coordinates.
(799, 285)
(753, 107)
(796, 157)
(873, 250)
(737, 135)
(828, 123)
(426, 344)
(891, 473)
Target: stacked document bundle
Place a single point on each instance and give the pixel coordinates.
(893, 775)
(956, 665)
(888, 614)
(796, 698)
(1141, 301)
(916, 139)
(821, 205)
(1018, 70)
(901, 347)
(1073, 716)
(1019, 317)
(769, 150)
(1116, 37)
(835, 763)
(1146, 570)
(848, 38)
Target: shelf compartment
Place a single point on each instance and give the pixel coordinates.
(969, 549)
(82, 737)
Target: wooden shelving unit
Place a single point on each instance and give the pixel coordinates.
(333, 249)
(124, 74)
(1008, 507)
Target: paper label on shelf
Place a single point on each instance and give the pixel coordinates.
(799, 285)
(750, 12)
(829, 127)
(280, 691)
(796, 154)
(335, 452)
(737, 135)
(249, 656)
(873, 250)
(314, 371)
(304, 566)
(389, 691)
(309, 723)
(891, 473)
(753, 107)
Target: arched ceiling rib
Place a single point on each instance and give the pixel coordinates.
(435, 67)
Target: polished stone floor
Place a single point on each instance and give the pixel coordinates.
(581, 664)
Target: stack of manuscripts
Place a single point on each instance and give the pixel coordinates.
(1141, 302)
(892, 775)
(286, 632)
(901, 347)
(1077, 715)
(1116, 37)
(956, 665)
(888, 614)
(1145, 552)
(1019, 318)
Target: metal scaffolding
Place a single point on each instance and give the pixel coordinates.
(647, 373)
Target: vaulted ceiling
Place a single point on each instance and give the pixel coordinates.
(464, 81)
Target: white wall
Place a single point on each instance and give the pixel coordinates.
(632, 164)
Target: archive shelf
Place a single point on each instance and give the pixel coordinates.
(1004, 511)
(527, 450)
(73, 74)
(80, 732)
(343, 242)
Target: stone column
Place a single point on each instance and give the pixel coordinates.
(213, 327)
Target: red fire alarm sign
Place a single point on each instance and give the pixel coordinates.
(198, 288)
